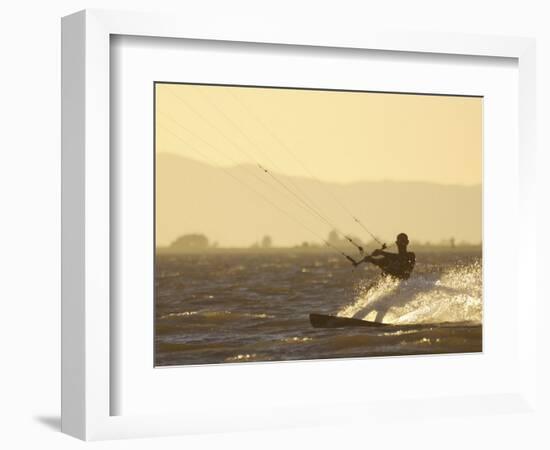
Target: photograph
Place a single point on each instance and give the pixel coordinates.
(307, 223)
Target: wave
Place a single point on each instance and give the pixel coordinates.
(221, 315)
(452, 295)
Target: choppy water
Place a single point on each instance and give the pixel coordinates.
(235, 307)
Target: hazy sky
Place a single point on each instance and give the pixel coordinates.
(336, 136)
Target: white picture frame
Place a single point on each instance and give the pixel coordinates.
(87, 386)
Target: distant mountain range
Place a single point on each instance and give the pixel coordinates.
(237, 206)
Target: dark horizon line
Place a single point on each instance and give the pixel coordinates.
(303, 88)
(320, 245)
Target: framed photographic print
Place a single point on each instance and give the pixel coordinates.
(251, 215)
(288, 269)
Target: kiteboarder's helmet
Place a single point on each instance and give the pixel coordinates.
(402, 239)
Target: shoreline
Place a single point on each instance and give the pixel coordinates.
(305, 250)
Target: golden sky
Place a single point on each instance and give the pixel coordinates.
(335, 136)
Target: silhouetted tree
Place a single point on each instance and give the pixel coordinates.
(267, 242)
(333, 237)
(190, 241)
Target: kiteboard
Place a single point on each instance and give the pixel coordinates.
(326, 321)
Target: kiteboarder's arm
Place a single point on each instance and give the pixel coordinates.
(377, 262)
(356, 263)
(351, 260)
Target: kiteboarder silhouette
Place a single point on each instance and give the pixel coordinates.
(399, 265)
